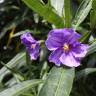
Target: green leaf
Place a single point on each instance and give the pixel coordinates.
(21, 32)
(93, 15)
(84, 72)
(45, 11)
(58, 6)
(18, 60)
(85, 36)
(67, 14)
(92, 48)
(82, 12)
(58, 83)
(63, 9)
(20, 88)
(16, 74)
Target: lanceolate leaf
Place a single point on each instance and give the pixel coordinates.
(92, 48)
(58, 83)
(18, 60)
(63, 9)
(84, 72)
(58, 5)
(85, 36)
(67, 14)
(45, 11)
(93, 15)
(18, 89)
(82, 12)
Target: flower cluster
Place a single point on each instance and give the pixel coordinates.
(64, 44)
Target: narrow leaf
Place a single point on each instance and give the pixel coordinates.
(18, 89)
(85, 36)
(92, 48)
(18, 60)
(58, 83)
(45, 11)
(58, 5)
(84, 72)
(67, 13)
(82, 12)
(93, 15)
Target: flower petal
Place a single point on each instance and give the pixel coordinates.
(34, 53)
(74, 37)
(57, 37)
(81, 51)
(69, 60)
(27, 39)
(61, 33)
(54, 57)
(52, 44)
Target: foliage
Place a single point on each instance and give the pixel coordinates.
(19, 76)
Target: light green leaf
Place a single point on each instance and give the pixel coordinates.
(92, 48)
(82, 12)
(16, 74)
(20, 88)
(85, 36)
(58, 5)
(93, 15)
(45, 11)
(67, 14)
(18, 60)
(63, 9)
(21, 32)
(58, 83)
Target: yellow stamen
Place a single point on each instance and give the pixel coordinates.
(66, 47)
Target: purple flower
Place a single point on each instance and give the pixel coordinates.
(32, 46)
(65, 46)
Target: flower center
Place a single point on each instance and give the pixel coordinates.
(66, 47)
(33, 46)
